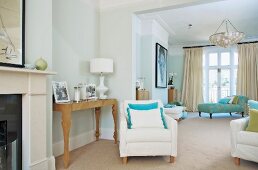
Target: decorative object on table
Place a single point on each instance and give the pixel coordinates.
(83, 93)
(91, 91)
(41, 64)
(140, 83)
(171, 77)
(60, 92)
(161, 67)
(77, 91)
(227, 37)
(12, 34)
(101, 66)
(30, 66)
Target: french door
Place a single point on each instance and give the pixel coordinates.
(220, 73)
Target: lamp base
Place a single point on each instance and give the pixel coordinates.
(102, 88)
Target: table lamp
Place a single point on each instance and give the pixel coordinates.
(101, 66)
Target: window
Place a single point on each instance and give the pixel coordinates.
(220, 73)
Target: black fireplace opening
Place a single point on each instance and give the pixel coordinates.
(10, 131)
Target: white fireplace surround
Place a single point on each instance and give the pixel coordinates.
(32, 84)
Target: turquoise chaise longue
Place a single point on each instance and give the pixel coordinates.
(211, 108)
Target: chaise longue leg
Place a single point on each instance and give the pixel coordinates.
(237, 161)
(200, 114)
(125, 160)
(172, 159)
(210, 115)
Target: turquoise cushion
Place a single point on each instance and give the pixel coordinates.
(253, 104)
(224, 100)
(148, 106)
(163, 118)
(129, 121)
(169, 106)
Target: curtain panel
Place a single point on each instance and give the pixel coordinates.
(247, 73)
(192, 92)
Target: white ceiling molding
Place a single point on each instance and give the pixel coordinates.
(105, 4)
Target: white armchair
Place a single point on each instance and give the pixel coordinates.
(244, 144)
(147, 141)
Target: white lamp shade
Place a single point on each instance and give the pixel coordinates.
(101, 65)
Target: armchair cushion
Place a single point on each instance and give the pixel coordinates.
(145, 118)
(253, 121)
(248, 138)
(148, 134)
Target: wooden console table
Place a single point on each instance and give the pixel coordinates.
(67, 108)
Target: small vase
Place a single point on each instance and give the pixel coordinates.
(41, 64)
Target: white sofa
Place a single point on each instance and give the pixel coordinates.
(244, 144)
(147, 141)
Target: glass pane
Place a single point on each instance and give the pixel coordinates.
(213, 59)
(225, 83)
(204, 85)
(213, 85)
(235, 58)
(235, 82)
(225, 59)
(203, 60)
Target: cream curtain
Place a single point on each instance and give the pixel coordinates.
(247, 73)
(192, 93)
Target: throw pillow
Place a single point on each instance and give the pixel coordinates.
(153, 118)
(224, 100)
(231, 100)
(235, 100)
(147, 106)
(253, 121)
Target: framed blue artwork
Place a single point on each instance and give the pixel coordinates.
(161, 67)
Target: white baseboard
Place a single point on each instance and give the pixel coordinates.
(107, 133)
(83, 139)
(75, 142)
(51, 163)
(40, 164)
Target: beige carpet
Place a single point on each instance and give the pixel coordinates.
(203, 144)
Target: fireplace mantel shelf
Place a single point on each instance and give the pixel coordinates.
(24, 70)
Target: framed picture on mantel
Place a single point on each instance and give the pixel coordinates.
(12, 33)
(161, 67)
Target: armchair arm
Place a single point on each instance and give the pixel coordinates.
(122, 134)
(236, 126)
(172, 126)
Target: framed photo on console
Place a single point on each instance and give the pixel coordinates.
(12, 33)
(91, 91)
(161, 67)
(60, 92)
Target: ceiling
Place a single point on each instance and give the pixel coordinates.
(205, 20)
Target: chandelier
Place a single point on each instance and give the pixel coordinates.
(227, 37)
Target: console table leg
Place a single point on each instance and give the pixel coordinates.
(114, 113)
(97, 115)
(66, 124)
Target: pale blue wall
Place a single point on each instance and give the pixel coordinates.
(176, 64)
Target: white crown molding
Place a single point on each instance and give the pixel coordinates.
(108, 4)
